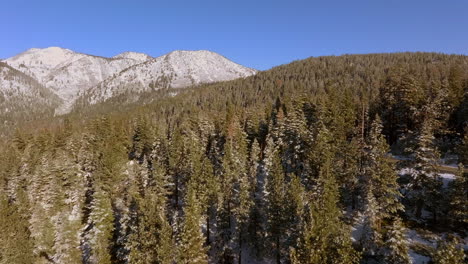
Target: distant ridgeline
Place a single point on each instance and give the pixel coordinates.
(276, 167)
(37, 81)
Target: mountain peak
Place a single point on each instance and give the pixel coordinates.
(39, 62)
(177, 69)
(48, 50)
(133, 55)
(70, 74)
(192, 52)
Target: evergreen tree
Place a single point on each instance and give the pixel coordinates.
(401, 97)
(207, 188)
(456, 85)
(67, 246)
(254, 163)
(371, 237)
(103, 180)
(153, 237)
(179, 169)
(276, 203)
(295, 201)
(191, 248)
(101, 224)
(396, 248)
(141, 139)
(235, 199)
(463, 149)
(257, 217)
(325, 238)
(425, 183)
(16, 245)
(458, 211)
(296, 137)
(449, 253)
(44, 239)
(348, 171)
(382, 175)
(321, 151)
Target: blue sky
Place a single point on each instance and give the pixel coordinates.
(256, 33)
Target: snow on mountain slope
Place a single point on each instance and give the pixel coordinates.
(69, 75)
(176, 70)
(38, 63)
(20, 93)
(68, 80)
(133, 55)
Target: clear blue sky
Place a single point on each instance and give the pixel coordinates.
(256, 33)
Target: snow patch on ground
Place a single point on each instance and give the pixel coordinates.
(414, 237)
(429, 240)
(357, 228)
(447, 178)
(406, 171)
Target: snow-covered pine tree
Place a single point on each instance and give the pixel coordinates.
(96, 243)
(257, 217)
(296, 137)
(321, 151)
(382, 174)
(152, 238)
(254, 163)
(141, 140)
(425, 184)
(67, 207)
(347, 171)
(16, 245)
(276, 191)
(371, 237)
(458, 211)
(179, 171)
(396, 249)
(449, 252)
(294, 211)
(207, 187)
(325, 238)
(236, 196)
(463, 149)
(191, 247)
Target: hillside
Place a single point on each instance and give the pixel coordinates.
(23, 98)
(70, 75)
(177, 69)
(289, 165)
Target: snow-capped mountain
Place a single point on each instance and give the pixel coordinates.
(176, 69)
(70, 74)
(78, 76)
(22, 95)
(133, 55)
(67, 73)
(38, 63)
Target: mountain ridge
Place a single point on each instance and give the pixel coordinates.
(71, 75)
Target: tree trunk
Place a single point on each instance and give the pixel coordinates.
(278, 253)
(240, 246)
(208, 226)
(176, 192)
(419, 206)
(353, 200)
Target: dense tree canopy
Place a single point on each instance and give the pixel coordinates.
(270, 167)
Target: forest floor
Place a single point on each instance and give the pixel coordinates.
(443, 168)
